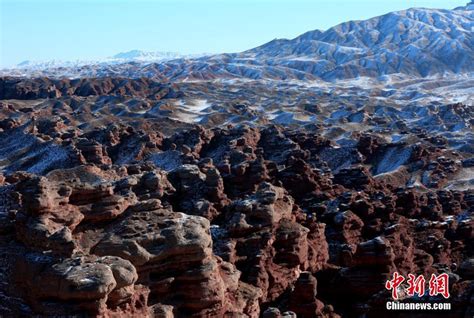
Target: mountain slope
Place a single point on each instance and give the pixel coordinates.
(416, 42)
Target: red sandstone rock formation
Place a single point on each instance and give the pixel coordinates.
(239, 221)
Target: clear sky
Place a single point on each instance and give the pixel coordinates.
(88, 29)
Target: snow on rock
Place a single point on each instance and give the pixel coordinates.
(167, 161)
(392, 159)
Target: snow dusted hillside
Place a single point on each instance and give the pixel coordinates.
(417, 42)
(414, 41)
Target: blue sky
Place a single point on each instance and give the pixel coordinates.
(88, 29)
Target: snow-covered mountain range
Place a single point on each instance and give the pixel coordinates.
(122, 57)
(416, 42)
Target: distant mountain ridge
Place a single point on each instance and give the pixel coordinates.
(416, 42)
(138, 54)
(122, 57)
(149, 56)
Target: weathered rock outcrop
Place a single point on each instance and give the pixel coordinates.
(134, 219)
